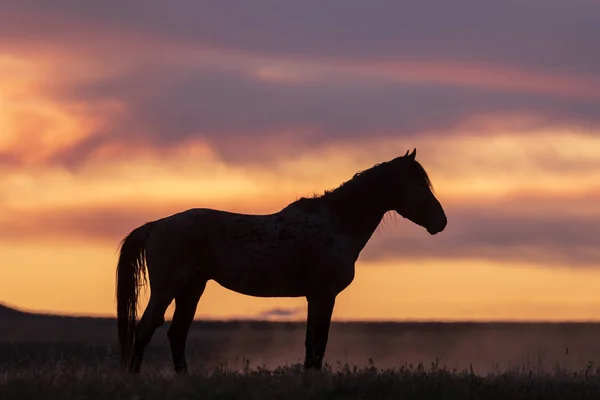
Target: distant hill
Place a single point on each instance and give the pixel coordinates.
(9, 312)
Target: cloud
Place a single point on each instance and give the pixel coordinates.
(258, 86)
(275, 79)
(531, 229)
(279, 312)
(542, 240)
(542, 34)
(246, 120)
(103, 224)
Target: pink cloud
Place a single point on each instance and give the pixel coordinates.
(508, 230)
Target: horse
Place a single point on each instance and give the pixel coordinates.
(307, 249)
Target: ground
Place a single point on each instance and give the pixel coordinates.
(76, 358)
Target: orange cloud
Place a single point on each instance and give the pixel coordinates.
(34, 125)
(75, 106)
(502, 205)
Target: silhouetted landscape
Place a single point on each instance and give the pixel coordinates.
(59, 347)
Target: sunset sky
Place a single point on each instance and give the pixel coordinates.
(114, 113)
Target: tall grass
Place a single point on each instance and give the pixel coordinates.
(73, 379)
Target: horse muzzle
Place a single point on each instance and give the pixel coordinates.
(437, 228)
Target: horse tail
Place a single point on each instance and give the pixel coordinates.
(131, 276)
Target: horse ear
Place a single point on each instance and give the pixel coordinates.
(413, 154)
(405, 154)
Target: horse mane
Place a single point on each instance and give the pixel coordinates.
(363, 177)
(331, 192)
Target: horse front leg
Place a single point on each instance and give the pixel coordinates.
(320, 309)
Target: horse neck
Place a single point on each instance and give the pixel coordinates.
(359, 209)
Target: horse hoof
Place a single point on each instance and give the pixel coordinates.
(312, 367)
(181, 369)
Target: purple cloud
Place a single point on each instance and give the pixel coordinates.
(493, 231)
(279, 312)
(172, 96)
(539, 34)
(243, 117)
(496, 234)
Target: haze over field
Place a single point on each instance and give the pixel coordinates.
(115, 113)
(35, 340)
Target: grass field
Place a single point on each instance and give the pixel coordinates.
(68, 379)
(46, 357)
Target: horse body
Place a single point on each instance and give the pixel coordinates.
(307, 249)
(275, 255)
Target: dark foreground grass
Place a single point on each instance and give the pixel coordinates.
(75, 380)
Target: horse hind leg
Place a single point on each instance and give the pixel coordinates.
(152, 318)
(186, 302)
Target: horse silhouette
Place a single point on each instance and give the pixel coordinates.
(307, 249)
